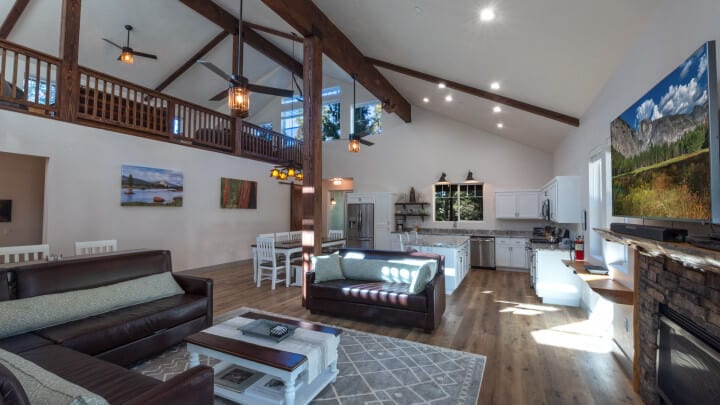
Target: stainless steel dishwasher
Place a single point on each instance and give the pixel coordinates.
(482, 252)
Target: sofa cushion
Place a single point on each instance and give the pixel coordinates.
(112, 382)
(394, 295)
(44, 386)
(327, 268)
(97, 334)
(29, 314)
(22, 343)
(416, 273)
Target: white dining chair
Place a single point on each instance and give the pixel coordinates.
(26, 253)
(268, 260)
(95, 247)
(335, 234)
(296, 235)
(267, 235)
(282, 236)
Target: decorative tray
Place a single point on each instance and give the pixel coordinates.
(267, 329)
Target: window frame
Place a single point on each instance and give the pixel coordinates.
(360, 105)
(455, 209)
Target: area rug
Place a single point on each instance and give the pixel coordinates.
(373, 369)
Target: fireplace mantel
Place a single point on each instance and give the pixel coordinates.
(690, 256)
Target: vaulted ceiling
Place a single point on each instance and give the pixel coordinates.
(556, 54)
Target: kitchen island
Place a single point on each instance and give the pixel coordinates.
(456, 250)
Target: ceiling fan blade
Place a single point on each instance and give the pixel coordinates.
(220, 96)
(298, 86)
(144, 55)
(273, 91)
(112, 43)
(216, 70)
(364, 142)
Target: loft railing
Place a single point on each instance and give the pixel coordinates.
(29, 79)
(24, 78)
(260, 142)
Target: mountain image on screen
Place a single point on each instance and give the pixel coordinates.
(660, 148)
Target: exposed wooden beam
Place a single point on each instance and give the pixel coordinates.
(305, 17)
(193, 59)
(12, 18)
(510, 102)
(273, 31)
(68, 90)
(229, 23)
(312, 219)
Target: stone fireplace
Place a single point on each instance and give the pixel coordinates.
(666, 283)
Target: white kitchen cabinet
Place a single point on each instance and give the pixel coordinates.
(563, 193)
(556, 283)
(457, 264)
(519, 204)
(511, 253)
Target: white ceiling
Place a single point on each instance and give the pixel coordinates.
(553, 53)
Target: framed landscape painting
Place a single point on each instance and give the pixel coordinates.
(238, 193)
(150, 187)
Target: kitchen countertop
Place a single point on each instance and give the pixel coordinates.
(473, 232)
(548, 246)
(443, 241)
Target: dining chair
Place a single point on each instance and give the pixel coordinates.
(27, 253)
(296, 235)
(335, 234)
(282, 236)
(268, 260)
(95, 247)
(267, 235)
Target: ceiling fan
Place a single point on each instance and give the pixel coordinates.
(128, 54)
(238, 84)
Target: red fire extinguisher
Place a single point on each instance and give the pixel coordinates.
(579, 248)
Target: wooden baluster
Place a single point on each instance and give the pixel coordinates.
(3, 55)
(95, 97)
(14, 76)
(26, 79)
(113, 115)
(37, 82)
(48, 83)
(170, 118)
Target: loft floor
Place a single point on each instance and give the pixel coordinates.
(494, 313)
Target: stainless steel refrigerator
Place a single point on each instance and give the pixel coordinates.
(360, 228)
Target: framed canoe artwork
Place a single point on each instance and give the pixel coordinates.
(150, 187)
(238, 193)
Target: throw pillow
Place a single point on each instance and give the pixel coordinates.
(44, 387)
(420, 279)
(29, 314)
(327, 268)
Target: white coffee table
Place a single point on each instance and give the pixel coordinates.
(290, 368)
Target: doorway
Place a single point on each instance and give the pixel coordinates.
(22, 199)
(336, 210)
(296, 212)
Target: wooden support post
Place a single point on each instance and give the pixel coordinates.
(312, 153)
(68, 86)
(636, 321)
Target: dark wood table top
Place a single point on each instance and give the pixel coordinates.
(260, 354)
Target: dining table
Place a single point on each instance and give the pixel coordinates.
(291, 247)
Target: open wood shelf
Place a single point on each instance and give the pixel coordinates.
(605, 286)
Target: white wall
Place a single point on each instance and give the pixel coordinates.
(22, 180)
(676, 30)
(82, 195)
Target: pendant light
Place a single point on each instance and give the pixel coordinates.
(353, 141)
(238, 94)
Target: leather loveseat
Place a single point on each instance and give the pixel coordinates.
(381, 301)
(91, 352)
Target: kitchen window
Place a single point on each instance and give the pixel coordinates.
(458, 202)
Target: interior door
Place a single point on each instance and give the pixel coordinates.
(296, 207)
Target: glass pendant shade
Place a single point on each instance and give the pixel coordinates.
(291, 172)
(299, 176)
(283, 176)
(354, 146)
(127, 57)
(239, 101)
(275, 173)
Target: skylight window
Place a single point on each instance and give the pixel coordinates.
(328, 92)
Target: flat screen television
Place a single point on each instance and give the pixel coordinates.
(5, 210)
(665, 150)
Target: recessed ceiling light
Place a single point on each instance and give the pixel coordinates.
(500, 125)
(448, 97)
(441, 85)
(495, 85)
(426, 100)
(497, 109)
(487, 14)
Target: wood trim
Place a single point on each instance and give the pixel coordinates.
(12, 17)
(636, 321)
(68, 83)
(312, 154)
(308, 19)
(214, 13)
(474, 91)
(287, 35)
(193, 59)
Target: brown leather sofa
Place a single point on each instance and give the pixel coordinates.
(381, 301)
(90, 352)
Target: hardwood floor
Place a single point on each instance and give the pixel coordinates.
(494, 313)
